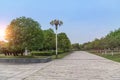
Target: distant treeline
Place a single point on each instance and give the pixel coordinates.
(109, 42)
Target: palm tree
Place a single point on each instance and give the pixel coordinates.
(56, 23)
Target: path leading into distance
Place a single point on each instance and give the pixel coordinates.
(79, 65)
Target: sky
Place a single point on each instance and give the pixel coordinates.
(84, 20)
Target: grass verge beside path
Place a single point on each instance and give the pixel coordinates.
(115, 57)
(60, 56)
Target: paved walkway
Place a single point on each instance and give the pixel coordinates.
(78, 66)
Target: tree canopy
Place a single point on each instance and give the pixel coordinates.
(63, 42)
(110, 41)
(24, 32)
(49, 39)
(76, 46)
(56, 23)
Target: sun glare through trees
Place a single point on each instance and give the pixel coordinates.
(2, 34)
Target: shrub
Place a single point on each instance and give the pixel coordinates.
(59, 52)
(43, 53)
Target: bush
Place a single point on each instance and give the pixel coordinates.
(59, 52)
(43, 53)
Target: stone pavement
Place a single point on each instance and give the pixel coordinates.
(79, 65)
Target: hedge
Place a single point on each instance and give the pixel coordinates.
(41, 53)
(45, 53)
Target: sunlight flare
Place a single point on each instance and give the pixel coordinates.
(2, 34)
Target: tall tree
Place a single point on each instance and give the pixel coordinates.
(24, 32)
(49, 39)
(64, 42)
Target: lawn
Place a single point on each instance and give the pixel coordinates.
(115, 57)
(60, 56)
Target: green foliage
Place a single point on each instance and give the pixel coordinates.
(56, 23)
(45, 53)
(24, 32)
(63, 42)
(59, 52)
(75, 46)
(111, 41)
(41, 53)
(114, 39)
(61, 55)
(115, 57)
(49, 40)
(2, 45)
(28, 56)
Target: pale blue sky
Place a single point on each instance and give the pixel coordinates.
(84, 20)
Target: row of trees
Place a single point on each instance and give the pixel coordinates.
(24, 33)
(110, 41)
(49, 41)
(76, 46)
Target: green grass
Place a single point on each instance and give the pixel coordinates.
(60, 56)
(115, 57)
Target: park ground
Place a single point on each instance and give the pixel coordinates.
(79, 65)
